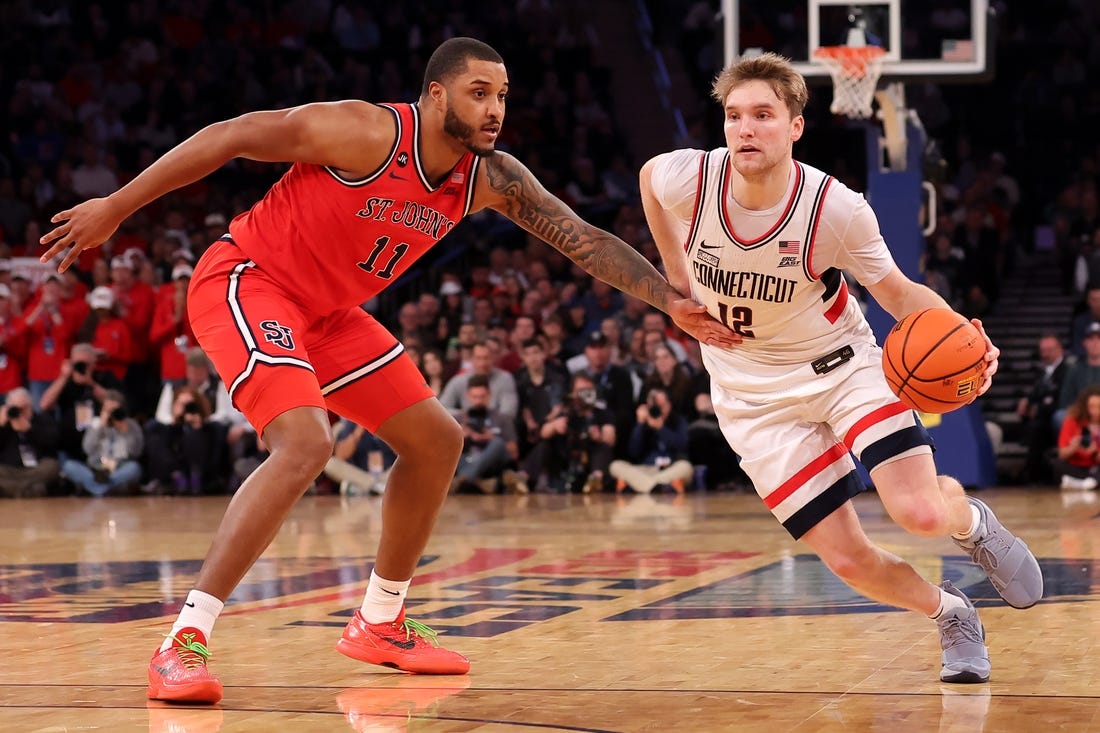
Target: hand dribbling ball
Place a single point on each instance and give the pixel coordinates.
(933, 360)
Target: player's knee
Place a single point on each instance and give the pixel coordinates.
(450, 441)
(924, 519)
(306, 455)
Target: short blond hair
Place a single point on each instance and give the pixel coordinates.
(776, 70)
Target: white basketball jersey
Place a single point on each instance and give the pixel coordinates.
(765, 287)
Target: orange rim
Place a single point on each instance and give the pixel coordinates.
(852, 59)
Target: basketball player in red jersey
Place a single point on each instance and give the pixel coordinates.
(275, 305)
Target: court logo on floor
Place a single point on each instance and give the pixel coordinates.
(803, 586)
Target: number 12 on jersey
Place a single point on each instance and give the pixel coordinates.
(738, 318)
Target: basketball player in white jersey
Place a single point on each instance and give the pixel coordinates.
(760, 240)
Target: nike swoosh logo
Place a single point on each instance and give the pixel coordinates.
(189, 603)
(704, 245)
(410, 644)
(400, 178)
(392, 592)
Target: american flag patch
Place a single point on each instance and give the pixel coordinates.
(458, 178)
(789, 247)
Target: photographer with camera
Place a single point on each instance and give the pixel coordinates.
(1078, 459)
(581, 431)
(658, 448)
(186, 457)
(113, 445)
(28, 448)
(490, 440)
(75, 397)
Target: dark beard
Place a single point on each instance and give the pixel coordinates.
(462, 132)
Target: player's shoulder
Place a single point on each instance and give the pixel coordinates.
(680, 155)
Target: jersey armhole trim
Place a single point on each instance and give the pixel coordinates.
(355, 182)
(700, 188)
(811, 233)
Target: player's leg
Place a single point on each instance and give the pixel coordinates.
(369, 380)
(897, 451)
(807, 478)
(263, 361)
(935, 506)
(840, 542)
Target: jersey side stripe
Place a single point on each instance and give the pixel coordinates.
(832, 455)
(370, 367)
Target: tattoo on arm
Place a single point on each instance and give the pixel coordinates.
(519, 196)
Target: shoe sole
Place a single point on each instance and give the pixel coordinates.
(199, 692)
(375, 656)
(964, 678)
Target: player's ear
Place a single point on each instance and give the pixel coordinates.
(437, 93)
(798, 125)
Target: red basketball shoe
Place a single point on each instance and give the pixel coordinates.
(403, 644)
(179, 673)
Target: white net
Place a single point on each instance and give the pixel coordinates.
(855, 71)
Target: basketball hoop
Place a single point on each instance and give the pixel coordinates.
(855, 71)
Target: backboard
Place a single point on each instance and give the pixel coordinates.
(930, 40)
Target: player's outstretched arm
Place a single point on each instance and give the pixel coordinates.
(340, 134)
(515, 192)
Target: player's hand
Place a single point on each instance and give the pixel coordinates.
(992, 353)
(82, 227)
(694, 320)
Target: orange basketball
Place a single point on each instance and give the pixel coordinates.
(933, 360)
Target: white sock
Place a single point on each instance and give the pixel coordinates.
(199, 611)
(384, 599)
(947, 602)
(975, 520)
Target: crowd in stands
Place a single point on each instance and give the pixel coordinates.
(560, 382)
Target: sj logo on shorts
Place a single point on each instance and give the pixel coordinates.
(278, 334)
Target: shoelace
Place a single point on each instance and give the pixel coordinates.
(422, 630)
(989, 550)
(190, 652)
(957, 631)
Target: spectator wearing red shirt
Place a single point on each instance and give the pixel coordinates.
(74, 300)
(48, 337)
(11, 346)
(110, 334)
(171, 333)
(134, 304)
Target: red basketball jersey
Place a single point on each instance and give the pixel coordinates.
(335, 243)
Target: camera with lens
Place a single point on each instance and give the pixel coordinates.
(587, 396)
(14, 413)
(192, 408)
(80, 367)
(118, 414)
(1086, 437)
(476, 418)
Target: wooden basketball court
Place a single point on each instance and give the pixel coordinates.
(579, 613)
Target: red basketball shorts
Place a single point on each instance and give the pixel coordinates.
(273, 354)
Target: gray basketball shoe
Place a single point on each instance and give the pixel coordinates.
(1005, 558)
(962, 638)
